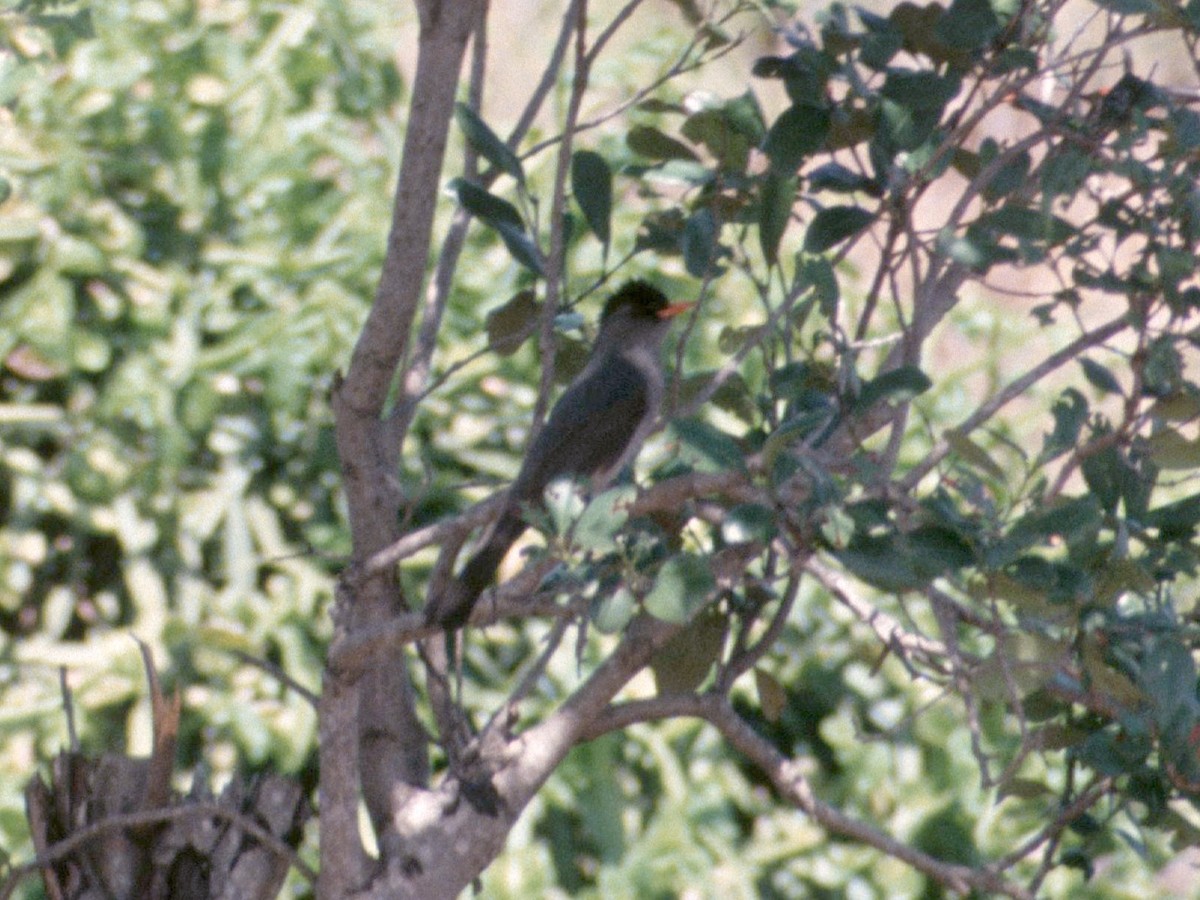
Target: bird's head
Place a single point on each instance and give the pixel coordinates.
(637, 313)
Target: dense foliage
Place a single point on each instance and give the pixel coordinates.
(193, 203)
(947, 334)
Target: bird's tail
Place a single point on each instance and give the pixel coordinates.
(452, 609)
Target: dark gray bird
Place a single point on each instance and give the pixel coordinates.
(594, 430)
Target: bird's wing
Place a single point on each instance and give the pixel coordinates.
(588, 429)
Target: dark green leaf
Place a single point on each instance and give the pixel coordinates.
(713, 444)
(1115, 751)
(684, 662)
(798, 133)
(1162, 372)
(1099, 377)
(591, 183)
(1176, 521)
(836, 177)
(882, 562)
(935, 550)
(974, 250)
(946, 835)
(1059, 582)
(774, 212)
(1027, 224)
(486, 206)
(833, 225)
(1011, 175)
(521, 246)
(712, 129)
(487, 142)
(968, 24)
(1168, 676)
(1070, 519)
(1171, 450)
(972, 453)
(645, 140)
(682, 171)
(748, 523)
(772, 698)
(504, 218)
(923, 91)
(681, 587)
(899, 384)
(511, 323)
(1127, 7)
(816, 272)
(613, 611)
(1070, 412)
(699, 242)
(602, 519)
(1103, 472)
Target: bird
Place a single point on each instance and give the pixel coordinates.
(594, 430)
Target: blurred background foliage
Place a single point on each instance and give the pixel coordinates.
(193, 200)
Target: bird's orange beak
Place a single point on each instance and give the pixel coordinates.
(673, 310)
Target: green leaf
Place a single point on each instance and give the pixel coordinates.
(1175, 521)
(509, 324)
(882, 562)
(1115, 752)
(699, 242)
(713, 444)
(772, 698)
(920, 91)
(614, 611)
(522, 247)
(1168, 676)
(816, 272)
(748, 523)
(1070, 412)
(972, 453)
(1024, 788)
(899, 384)
(591, 183)
(1127, 7)
(681, 587)
(645, 140)
(1099, 377)
(727, 131)
(936, 550)
(1069, 519)
(1027, 224)
(503, 217)
(798, 133)
(968, 25)
(1171, 450)
(774, 212)
(684, 661)
(603, 519)
(836, 177)
(974, 250)
(835, 224)
(487, 142)
(486, 206)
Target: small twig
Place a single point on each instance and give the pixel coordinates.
(741, 662)
(890, 632)
(277, 672)
(68, 709)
